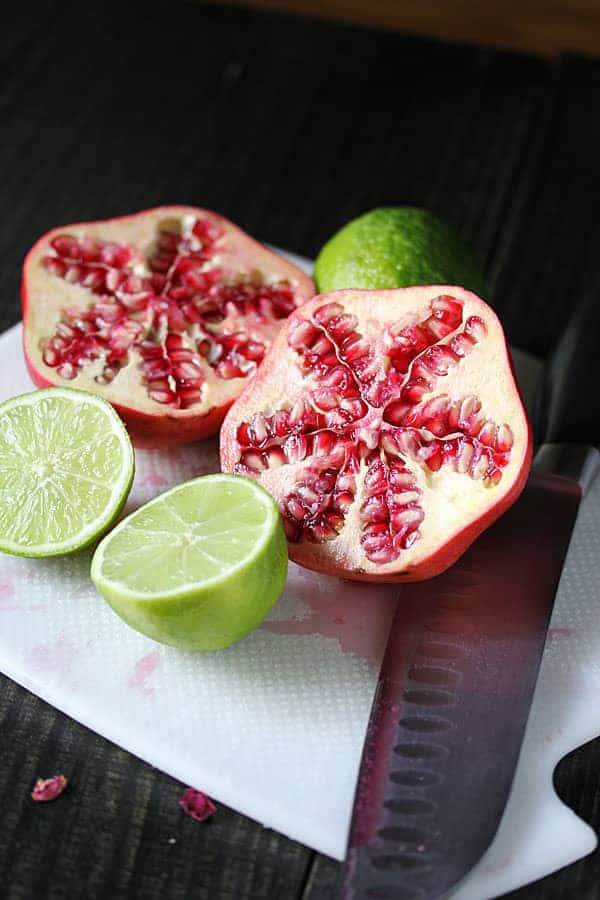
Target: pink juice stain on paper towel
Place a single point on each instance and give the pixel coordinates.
(356, 615)
(7, 596)
(554, 633)
(142, 671)
(54, 656)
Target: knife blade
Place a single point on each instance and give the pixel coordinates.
(460, 669)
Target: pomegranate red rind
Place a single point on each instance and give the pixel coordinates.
(389, 427)
(166, 313)
(46, 789)
(197, 805)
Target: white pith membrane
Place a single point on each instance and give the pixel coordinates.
(65, 466)
(457, 457)
(167, 358)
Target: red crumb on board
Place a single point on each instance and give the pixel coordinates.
(48, 788)
(197, 805)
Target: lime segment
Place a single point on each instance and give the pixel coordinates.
(66, 467)
(199, 566)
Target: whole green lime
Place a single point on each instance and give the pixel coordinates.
(396, 246)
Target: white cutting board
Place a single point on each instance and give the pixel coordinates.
(274, 725)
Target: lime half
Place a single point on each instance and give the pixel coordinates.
(199, 566)
(396, 246)
(66, 467)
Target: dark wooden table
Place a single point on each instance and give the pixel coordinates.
(289, 127)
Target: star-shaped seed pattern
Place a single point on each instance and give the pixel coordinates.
(174, 306)
(353, 426)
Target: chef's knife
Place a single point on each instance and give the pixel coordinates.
(462, 661)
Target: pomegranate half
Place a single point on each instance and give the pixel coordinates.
(388, 426)
(165, 313)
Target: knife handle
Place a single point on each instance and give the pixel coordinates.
(567, 407)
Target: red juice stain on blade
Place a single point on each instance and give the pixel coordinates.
(358, 616)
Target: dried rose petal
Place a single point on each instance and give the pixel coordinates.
(197, 805)
(48, 788)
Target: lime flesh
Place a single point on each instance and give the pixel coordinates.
(199, 566)
(395, 247)
(66, 467)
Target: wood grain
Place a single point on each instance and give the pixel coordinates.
(533, 26)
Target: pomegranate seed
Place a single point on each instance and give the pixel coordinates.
(432, 454)
(67, 370)
(189, 396)
(475, 328)
(381, 554)
(448, 309)
(487, 435)
(374, 510)
(324, 314)
(344, 500)
(295, 448)
(438, 329)
(326, 400)
(276, 458)
(322, 346)
(297, 412)
(320, 532)
(258, 427)
(155, 369)
(403, 498)
(504, 438)
(295, 509)
(73, 274)
(343, 327)
(346, 482)
(207, 232)
(189, 371)
(66, 246)
(162, 396)
(46, 789)
(337, 456)
(229, 369)
(51, 357)
(461, 344)
(324, 443)
(309, 497)
(400, 478)
(55, 265)
(254, 461)
(389, 444)
(369, 436)
(281, 423)
(410, 517)
(355, 349)
(464, 457)
(375, 478)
